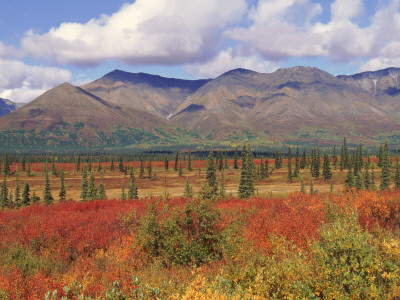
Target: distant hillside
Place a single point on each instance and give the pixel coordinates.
(300, 105)
(151, 93)
(68, 116)
(7, 106)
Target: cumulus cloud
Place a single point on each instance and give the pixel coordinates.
(144, 32)
(20, 82)
(228, 60)
(280, 29)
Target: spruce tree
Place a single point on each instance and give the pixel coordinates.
(210, 188)
(141, 170)
(26, 201)
(311, 185)
(367, 178)
(78, 163)
(397, 175)
(297, 163)
(123, 195)
(149, 170)
(112, 164)
(346, 162)
(6, 164)
(189, 167)
(385, 175)
(176, 161)
(47, 197)
(53, 167)
(380, 156)
(188, 192)
(102, 191)
(326, 171)
(62, 194)
(23, 163)
(359, 183)
(84, 185)
(17, 198)
(121, 164)
(262, 170)
(92, 188)
(246, 184)
(349, 179)
(372, 185)
(29, 170)
(220, 161)
(4, 194)
(289, 166)
(180, 172)
(99, 168)
(222, 191)
(226, 160)
(132, 192)
(303, 159)
(166, 163)
(235, 159)
(302, 186)
(266, 168)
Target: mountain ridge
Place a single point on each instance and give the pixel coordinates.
(291, 105)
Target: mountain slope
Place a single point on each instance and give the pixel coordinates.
(383, 85)
(290, 103)
(7, 106)
(68, 115)
(150, 93)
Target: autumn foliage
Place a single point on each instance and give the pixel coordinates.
(297, 246)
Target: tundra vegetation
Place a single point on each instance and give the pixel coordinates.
(295, 223)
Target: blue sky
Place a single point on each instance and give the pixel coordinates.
(44, 42)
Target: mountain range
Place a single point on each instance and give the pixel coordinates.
(292, 105)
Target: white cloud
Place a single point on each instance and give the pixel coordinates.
(144, 32)
(285, 28)
(228, 60)
(20, 82)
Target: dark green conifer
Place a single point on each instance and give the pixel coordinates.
(123, 194)
(210, 188)
(92, 188)
(141, 170)
(112, 164)
(84, 185)
(78, 163)
(17, 193)
(166, 163)
(4, 194)
(235, 159)
(121, 164)
(176, 161)
(26, 201)
(385, 175)
(289, 166)
(189, 167)
(326, 171)
(397, 175)
(303, 159)
(359, 183)
(149, 170)
(47, 197)
(349, 179)
(180, 172)
(222, 191)
(132, 191)
(188, 192)
(311, 186)
(62, 194)
(6, 164)
(302, 186)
